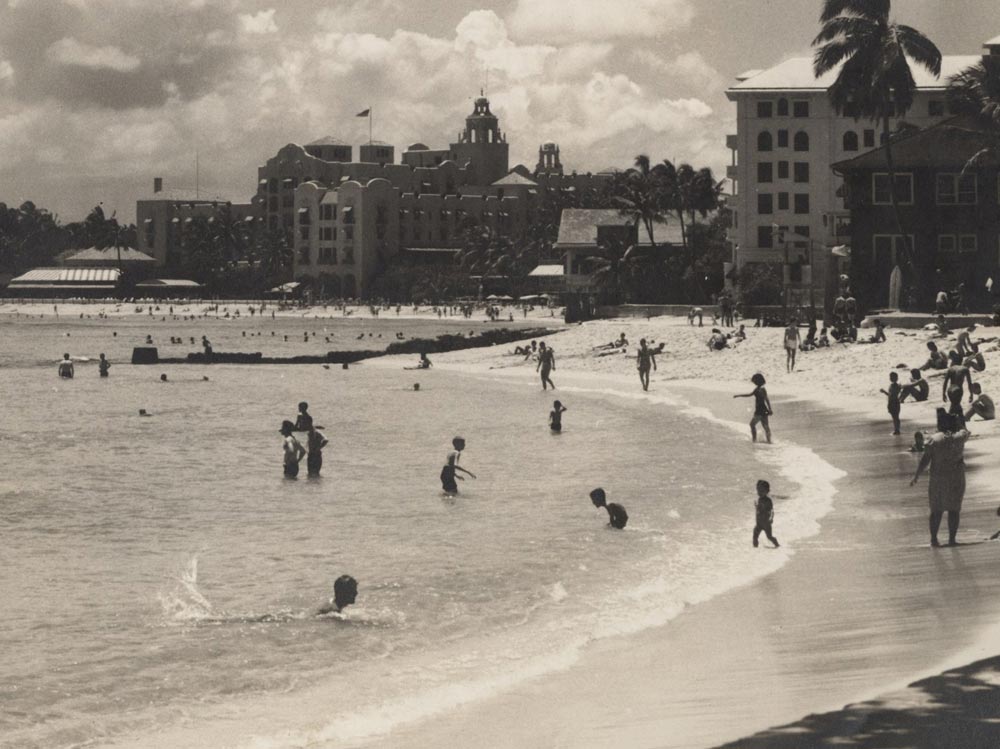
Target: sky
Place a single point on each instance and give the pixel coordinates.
(98, 97)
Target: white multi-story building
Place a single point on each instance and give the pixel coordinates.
(787, 137)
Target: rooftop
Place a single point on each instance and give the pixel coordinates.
(110, 254)
(513, 178)
(328, 140)
(68, 276)
(578, 227)
(796, 73)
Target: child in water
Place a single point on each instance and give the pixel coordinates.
(762, 407)
(103, 366)
(304, 420)
(765, 514)
(449, 474)
(555, 416)
(617, 517)
(345, 592)
(893, 403)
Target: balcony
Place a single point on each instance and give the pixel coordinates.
(731, 142)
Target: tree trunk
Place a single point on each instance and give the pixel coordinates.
(908, 250)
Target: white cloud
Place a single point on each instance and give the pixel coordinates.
(259, 23)
(688, 69)
(6, 71)
(69, 51)
(599, 19)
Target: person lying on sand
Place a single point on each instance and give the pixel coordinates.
(345, 592)
(718, 340)
(620, 342)
(617, 517)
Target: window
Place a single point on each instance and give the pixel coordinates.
(782, 170)
(967, 243)
(801, 142)
(880, 189)
(764, 109)
(802, 202)
(889, 247)
(869, 136)
(326, 234)
(935, 108)
(764, 142)
(947, 243)
(802, 171)
(348, 256)
(327, 212)
(304, 232)
(782, 139)
(782, 107)
(765, 237)
(956, 189)
(765, 171)
(765, 203)
(348, 233)
(850, 141)
(347, 215)
(800, 109)
(782, 201)
(802, 233)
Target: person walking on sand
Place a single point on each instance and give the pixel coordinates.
(952, 388)
(893, 404)
(66, 368)
(546, 364)
(315, 443)
(293, 450)
(644, 360)
(764, 507)
(555, 416)
(792, 342)
(944, 455)
(762, 407)
(449, 474)
(617, 517)
(103, 365)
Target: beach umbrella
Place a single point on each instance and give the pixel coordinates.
(492, 298)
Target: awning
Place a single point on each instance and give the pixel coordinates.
(173, 283)
(286, 287)
(548, 271)
(57, 286)
(303, 210)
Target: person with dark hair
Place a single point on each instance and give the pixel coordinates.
(555, 416)
(944, 456)
(449, 473)
(975, 359)
(952, 388)
(304, 421)
(546, 364)
(982, 406)
(293, 450)
(315, 444)
(345, 593)
(762, 407)
(893, 403)
(617, 517)
(764, 507)
(917, 388)
(936, 360)
(645, 359)
(66, 368)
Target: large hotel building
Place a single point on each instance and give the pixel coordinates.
(787, 137)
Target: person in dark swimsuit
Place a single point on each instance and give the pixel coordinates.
(304, 421)
(315, 444)
(546, 364)
(645, 359)
(893, 401)
(66, 368)
(449, 473)
(617, 517)
(762, 407)
(764, 507)
(103, 366)
(555, 416)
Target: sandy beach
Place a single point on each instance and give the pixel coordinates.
(862, 609)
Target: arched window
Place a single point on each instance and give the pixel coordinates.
(801, 141)
(850, 141)
(764, 142)
(782, 107)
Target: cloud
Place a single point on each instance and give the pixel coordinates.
(599, 19)
(259, 23)
(69, 51)
(689, 70)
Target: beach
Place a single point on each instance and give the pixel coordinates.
(591, 645)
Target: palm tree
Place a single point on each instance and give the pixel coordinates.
(688, 192)
(875, 81)
(976, 91)
(641, 194)
(614, 267)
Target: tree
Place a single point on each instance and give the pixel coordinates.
(875, 81)
(689, 193)
(976, 91)
(640, 194)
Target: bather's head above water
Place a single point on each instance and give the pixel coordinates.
(345, 591)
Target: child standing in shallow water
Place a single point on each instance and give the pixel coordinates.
(762, 407)
(893, 404)
(449, 477)
(765, 514)
(555, 416)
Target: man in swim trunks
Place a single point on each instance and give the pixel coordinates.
(314, 460)
(449, 473)
(952, 389)
(975, 358)
(917, 387)
(293, 450)
(546, 364)
(617, 517)
(644, 360)
(66, 368)
(936, 360)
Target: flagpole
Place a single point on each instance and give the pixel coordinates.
(369, 125)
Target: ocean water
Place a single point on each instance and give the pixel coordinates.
(160, 576)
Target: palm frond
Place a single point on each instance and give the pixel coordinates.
(919, 48)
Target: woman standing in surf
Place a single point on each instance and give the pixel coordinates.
(762, 407)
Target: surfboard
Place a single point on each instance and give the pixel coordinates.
(895, 287)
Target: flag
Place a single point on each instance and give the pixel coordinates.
(363, 114)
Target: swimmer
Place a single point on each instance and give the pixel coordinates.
(103, 365)
(645, 358)
(142, 412)
(546, 364)
(555, 416)
(163, 377)
(449, 473)
(345, 592)
(66, 368)
(762, 407)
(304, 421)
(617, 517)
(918, 442)
(293, 450)
(316, 442)
(416, 386)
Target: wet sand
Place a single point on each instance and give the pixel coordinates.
(861, 609)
